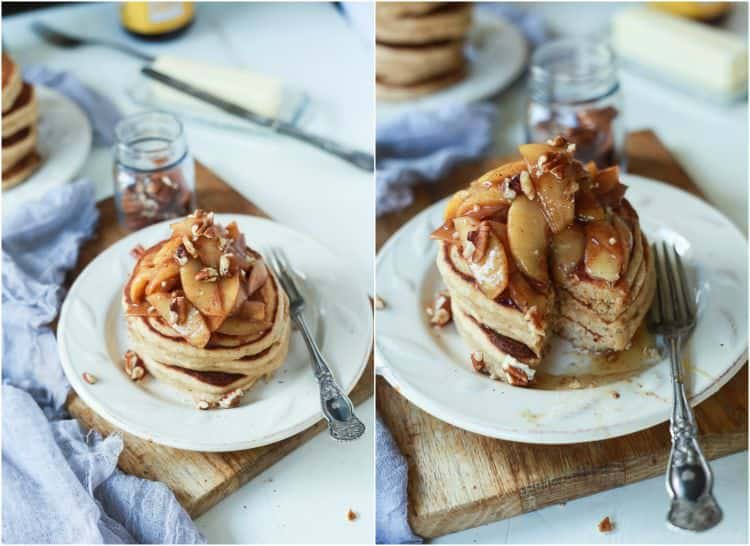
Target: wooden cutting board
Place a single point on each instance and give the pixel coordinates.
(198, 480)
(459, 480)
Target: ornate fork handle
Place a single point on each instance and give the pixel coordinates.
(689, 477)
(337, 408)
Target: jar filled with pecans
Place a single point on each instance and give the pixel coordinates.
(574, 91)
(154, 173)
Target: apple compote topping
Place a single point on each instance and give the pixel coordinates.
(204, 281)
(510, 220)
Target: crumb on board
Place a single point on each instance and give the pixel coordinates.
(379, 303)
(606, 525)
(351, 515)
(615, 394)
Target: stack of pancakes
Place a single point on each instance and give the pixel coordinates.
(20, 158)
(419, 47)
(539, 246)
(204, 313)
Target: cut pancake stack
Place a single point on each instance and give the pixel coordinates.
(20, 158)
(205, 314)
(539, 246)
(419, 47)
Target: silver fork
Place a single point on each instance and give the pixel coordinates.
(689, 477)
(338, 409)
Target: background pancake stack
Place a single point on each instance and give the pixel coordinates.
(419, 47)
(20, 115)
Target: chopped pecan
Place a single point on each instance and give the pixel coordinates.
(137, 251)
(227, 265)
(477, 362)
(189, 246)
(527, 186)
(134, 366)
(181, 255)
(516, 376)
(481, 239)
(207, 274)
(89, 378)
(178, 309)
(555, 163)
(231, 399)
(440, 311)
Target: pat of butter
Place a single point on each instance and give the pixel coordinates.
(257, 92)
(704, 59)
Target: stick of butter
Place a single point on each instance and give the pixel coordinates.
(257, 92)
(700, 59)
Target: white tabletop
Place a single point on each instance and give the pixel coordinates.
(305, 497)
(711, 143)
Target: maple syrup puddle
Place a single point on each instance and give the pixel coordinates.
(602, 370)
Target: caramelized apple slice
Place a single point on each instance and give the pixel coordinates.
(588, 207)
(258, 277)
(604, 253)
(241, 298)
(167, 251)
(183, 228)
(606, 180)
(193, 329)
(230, 291)
(214, 322)
(451, 209)
(491, 271)
(532, 152)
(625, 236)
(202, 294)
(527, 237)
(567, 248)
(223, 340)
(444, 232)
(138, 285)
(238, 326)
(208, 252)
(524, 296)
(167, 273)
(557, 201)
(483, 198)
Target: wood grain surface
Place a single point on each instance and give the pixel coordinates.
(459, 480)
(199, 480)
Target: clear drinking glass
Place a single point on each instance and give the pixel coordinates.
(574, 91)
(154, 173)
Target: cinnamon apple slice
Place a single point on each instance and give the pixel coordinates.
(557, 198)
(604, 253)
(528, 238)
(451, 209)
(588, 207)
(138, 285)
(491, 269)
(568, 248)
(239, 326)
(625, 236)
(532, 152)
(444, 232)
(204, 295)
(229, 287)
(606, 180)
(208, 252)
(524, 296)
(194, 329)
(258, 277)
(167, 273)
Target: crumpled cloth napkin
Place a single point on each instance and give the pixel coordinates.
(59, 484)
(391, 501)
(101, 111)
(423, 145)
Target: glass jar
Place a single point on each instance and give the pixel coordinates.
(154, 173)
(574, 91)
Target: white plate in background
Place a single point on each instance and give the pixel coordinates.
(431, 367)
(64, 142)
(92, 338)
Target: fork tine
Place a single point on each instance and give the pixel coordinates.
(282, 266)
(675, 306)
(686, 298)
(662, 287)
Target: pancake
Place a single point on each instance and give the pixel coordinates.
(449, 22)
(396, 65)
(21, 170)
(22, 113)
(394, 10)
(390, 92)
(12, 82)
(17, 146)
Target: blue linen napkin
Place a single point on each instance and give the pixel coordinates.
(391, 501)
(529, 23)
(59, 484)
(423, 145)
(101, 111)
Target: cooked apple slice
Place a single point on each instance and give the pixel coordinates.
(491, 271)
(258, 277)
(194, 329)
(527, 238)
(214, 322)
(486, 198)
(454, 202)
(444, 232)
(567, 248)
(138, 285)
(208, 252)
(238, 326)
(230, 291)
(465, 225)
(167, 250)
(532, 152)
(183, 227)
(204, 295)
(166, 273)
(241, 298)
(613, 198)
(557, 201)
(223, 340)
(588, 207)
(524, 296)
(253, 310)
(604, 253)
(606, 180)
(625, 236)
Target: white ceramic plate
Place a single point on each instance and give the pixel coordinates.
(92, 338)
(431, 368)
(64, 143)
(497, 53)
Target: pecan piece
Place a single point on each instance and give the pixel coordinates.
(477, 362)
(89, 378)
(134, 366)
(137, 251)
(178, 310)
(231, 399)
(516, 376)
(207, 274)
(440, 311)
(189, 246)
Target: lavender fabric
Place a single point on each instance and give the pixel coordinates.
(423, 145)
(391, 523)
(60, 484)
(529, 23)
(101, 111)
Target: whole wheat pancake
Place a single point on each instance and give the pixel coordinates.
(12, 82)
(18, 146)
(390, 92)
(394, 10)
(450, 22)
(22, 113)
(21, 170)
(396, 65)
